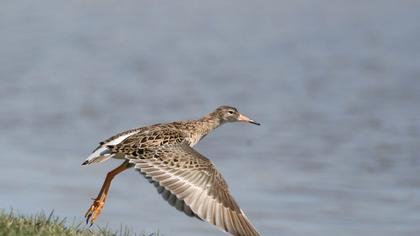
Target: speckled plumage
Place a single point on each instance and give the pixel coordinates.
(163, 153)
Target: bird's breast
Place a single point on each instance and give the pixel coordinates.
(194, 139)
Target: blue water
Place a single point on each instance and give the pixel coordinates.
(335, 84)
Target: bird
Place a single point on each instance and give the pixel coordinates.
(187, 180)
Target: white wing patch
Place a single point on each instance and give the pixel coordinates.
(102, 153)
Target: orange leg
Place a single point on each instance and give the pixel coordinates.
(95, 209)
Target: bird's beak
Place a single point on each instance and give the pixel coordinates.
(243, 118)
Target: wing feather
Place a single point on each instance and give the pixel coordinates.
(193, 185)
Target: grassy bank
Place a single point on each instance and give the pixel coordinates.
(48, 225)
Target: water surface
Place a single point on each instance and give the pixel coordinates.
(336, 86)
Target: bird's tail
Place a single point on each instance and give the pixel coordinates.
(99, 155)
(103, 152)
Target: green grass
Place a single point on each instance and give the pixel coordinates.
(12, 224)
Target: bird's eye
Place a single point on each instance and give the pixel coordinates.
(231, 112)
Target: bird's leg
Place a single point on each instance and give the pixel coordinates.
(95, 209)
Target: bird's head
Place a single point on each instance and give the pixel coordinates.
(231, 114)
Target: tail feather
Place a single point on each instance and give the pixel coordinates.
(97, 159)
(99, 155)
(103, 152)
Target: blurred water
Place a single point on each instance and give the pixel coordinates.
(336, 85)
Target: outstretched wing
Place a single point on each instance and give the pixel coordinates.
(192, 183)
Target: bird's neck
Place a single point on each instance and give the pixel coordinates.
(209, 123)
(202, 127)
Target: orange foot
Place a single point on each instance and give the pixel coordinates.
(94, 211)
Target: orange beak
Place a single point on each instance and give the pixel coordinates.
(243, 118)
